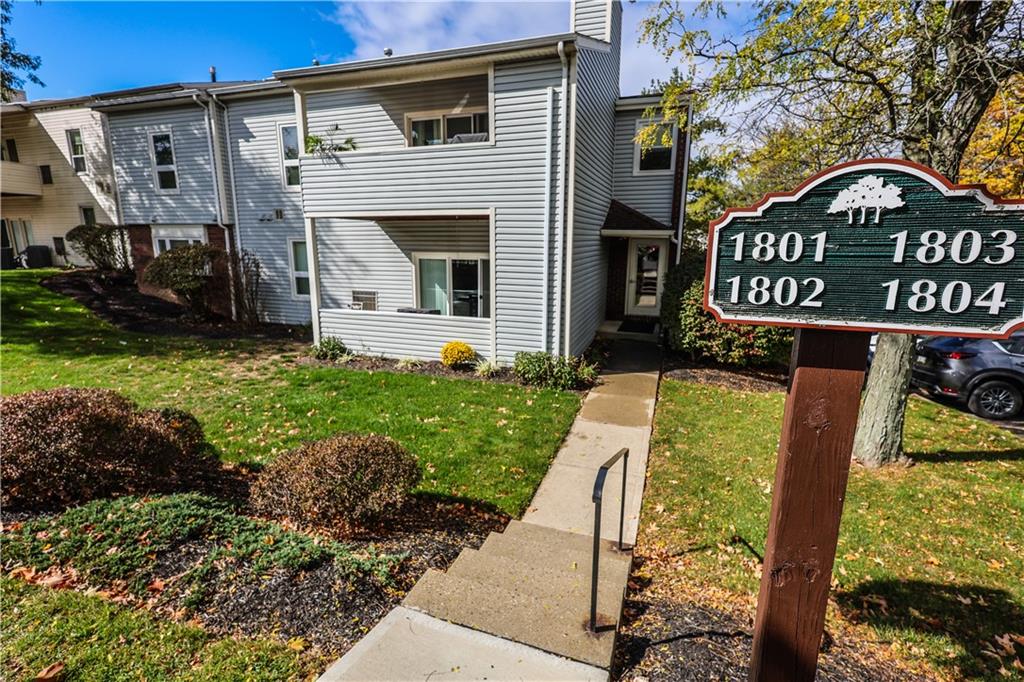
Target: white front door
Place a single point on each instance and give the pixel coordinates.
(645, 276)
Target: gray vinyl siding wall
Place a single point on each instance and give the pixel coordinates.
(375, 117)
(506, 176)
(195, 202)
(223, 149)
(590, 18)
(597, 90)
(259, 187)
(649, 194)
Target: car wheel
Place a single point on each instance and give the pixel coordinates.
(996, 400)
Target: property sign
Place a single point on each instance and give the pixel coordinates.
(879, 244)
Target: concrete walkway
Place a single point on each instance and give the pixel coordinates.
(516, 608)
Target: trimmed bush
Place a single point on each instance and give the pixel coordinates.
(330, 348)
(70, 445)
(678, 281)
(347, 479)
(698, 333)
(542, 369)
(455, 353)
(185, 271)
(105, 246)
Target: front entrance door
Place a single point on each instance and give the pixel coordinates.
(645, 277)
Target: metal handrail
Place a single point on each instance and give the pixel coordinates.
(602, 474)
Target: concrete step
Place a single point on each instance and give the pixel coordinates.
(540, 579)
(614, 567)
(576, 542)
(556, 625)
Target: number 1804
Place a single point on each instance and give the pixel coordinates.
(955, 297)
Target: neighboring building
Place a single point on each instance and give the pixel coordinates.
(55, 174)
(495, 194)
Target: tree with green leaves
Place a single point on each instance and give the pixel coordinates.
(15, 67)
(859, 78)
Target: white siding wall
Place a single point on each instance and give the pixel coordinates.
(41, 138)
(597, 91)
(649, 194)
(375, 117)
(223, 149)
(405, 335)
(260, 189)
(507, 176)
(590, 17)
(195, 201)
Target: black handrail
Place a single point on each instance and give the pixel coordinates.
(602, 474)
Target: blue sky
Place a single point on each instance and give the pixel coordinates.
(90, 47)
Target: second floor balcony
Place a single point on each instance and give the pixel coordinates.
(20, 179)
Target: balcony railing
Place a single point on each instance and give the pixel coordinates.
(20, 179)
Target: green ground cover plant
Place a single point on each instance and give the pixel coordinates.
(930, 559)
(485, 442)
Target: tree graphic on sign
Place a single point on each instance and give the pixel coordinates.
(868, 192)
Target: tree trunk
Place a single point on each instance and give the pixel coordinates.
(879, 438)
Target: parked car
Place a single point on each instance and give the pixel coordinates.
(987, 375)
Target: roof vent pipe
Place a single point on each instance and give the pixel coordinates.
(316, 62)
(388, 52)
(213, 74)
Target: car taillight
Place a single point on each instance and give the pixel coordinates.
(958, 355)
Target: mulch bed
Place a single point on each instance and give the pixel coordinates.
(756, 380)
(116, 299)
(434, 368)
(667, 639)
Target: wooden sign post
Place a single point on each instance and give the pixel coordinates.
(875, 245)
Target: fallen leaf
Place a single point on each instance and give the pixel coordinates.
(54, 671)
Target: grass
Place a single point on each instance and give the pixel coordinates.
(98, 640)
(483, 441)
(931, 557)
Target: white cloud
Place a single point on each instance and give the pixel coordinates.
(421, 26)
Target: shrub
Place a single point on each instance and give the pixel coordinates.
(347, 479)
(330, 348)
(486, 368)
(185, 271)
(105, 246)
(70, 445)
(408, 364)
(678, 281)
(543, 369)
(247, 270)
(698, 333)
(455, 353)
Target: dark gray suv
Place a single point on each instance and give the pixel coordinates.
(987, 375)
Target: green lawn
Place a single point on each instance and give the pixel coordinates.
(484, 441)
(931, 557)
(98, 640)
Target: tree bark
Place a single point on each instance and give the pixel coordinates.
(879, 438)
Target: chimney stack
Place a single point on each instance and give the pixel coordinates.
(213, 74)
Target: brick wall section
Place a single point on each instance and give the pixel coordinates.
(218, 290)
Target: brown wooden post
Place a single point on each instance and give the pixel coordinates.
(826, 377)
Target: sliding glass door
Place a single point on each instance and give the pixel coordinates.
(454, 284)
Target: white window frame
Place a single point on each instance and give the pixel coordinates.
(81, 213)
(449, 256)
(293, 273)
(156, 170)
(443, 115)
(195, 234)
(71, 151)
(638, 151)
(287, 163)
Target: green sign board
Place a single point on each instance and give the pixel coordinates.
(874, 245)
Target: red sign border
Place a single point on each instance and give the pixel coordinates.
(937, 179)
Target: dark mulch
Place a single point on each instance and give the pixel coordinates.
(758, 380)
(116, 299)
(672, 641)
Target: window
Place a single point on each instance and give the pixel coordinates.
(289, 135)
(449, 129)
(166, 237)
(165, 171)
(77, 149)
(17, 234)
(299, 265)
(364, 300)
(10, 150)
(454, 284)
(658, 159)
(46, 175)
(88, 215)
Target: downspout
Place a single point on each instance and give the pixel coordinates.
(545, 340)
(126, 243)
(217, 195)
(686, 173)
(562, 181)
(570, 219)
(237, 246)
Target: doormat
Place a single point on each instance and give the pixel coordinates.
(638, 326)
